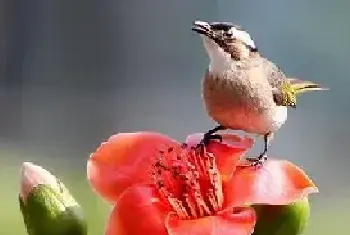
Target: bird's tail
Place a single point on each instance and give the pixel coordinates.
(301, 86)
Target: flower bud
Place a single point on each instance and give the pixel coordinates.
(289, 219)
(47, 206)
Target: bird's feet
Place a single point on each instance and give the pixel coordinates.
(208, 136)
(257, 161)
(206, 140)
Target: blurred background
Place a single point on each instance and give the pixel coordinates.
(74, 72)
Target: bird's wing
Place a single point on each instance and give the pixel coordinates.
(301, 86)
(285, 89)
(276, 79)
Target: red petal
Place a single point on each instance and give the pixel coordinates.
(227, 153)
(241, 221)
(124, 160)
(112, 227)
(138, 212)
(277, 182)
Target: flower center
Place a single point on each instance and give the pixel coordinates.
(189, 181)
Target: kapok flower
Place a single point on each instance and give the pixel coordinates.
(163, 187)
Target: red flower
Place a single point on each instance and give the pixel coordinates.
(163, 187)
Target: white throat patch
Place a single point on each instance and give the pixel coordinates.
(220, 61)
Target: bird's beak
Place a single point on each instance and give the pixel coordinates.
(201, 27)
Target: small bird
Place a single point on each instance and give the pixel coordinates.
(241, 89)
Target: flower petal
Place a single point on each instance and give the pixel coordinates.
(239, 221)
(124, 160)
(277, 182)
(138, 211)
(227, 153)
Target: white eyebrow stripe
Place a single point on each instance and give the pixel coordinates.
(244, 36)
(202, 23)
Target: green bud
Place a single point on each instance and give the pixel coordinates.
(282, 220)
(47, 206)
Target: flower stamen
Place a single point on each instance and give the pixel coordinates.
(188, 181)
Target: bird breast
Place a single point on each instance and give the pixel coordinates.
(242, 99)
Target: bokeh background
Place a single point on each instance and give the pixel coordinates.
(74, 72)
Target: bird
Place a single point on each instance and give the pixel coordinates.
(242, 89)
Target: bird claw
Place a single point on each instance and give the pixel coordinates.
(207, 138)
(257, 161)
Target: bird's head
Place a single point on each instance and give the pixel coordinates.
(225, 41)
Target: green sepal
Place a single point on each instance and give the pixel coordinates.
(48, 211)
(282, 220)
